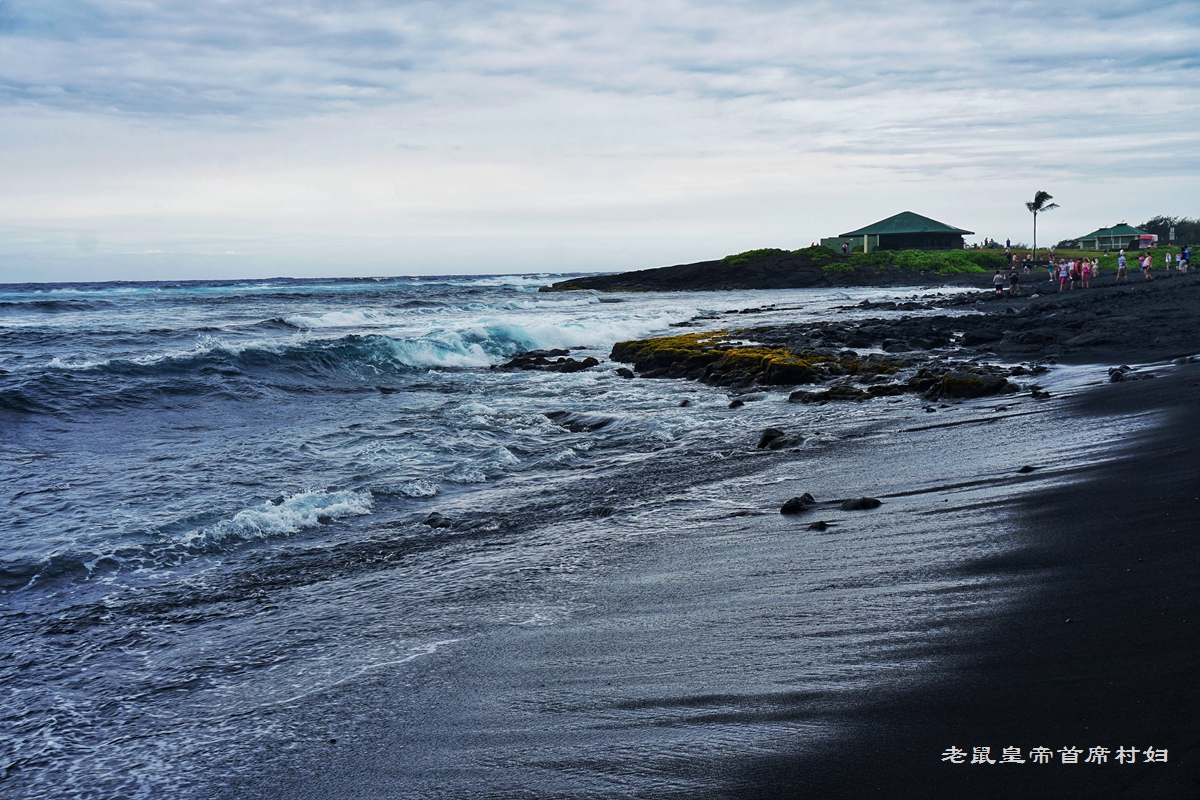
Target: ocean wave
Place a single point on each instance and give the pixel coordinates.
(418, 488)
(287, 516)
(353, 318)
(51, 306)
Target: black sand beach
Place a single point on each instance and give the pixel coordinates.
(1105, 654)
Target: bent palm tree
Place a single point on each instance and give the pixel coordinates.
(1036, 205)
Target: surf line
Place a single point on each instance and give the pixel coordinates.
(423, 650)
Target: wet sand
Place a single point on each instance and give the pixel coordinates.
(1105, 654)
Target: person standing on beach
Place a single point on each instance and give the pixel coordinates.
(1167, 261)
(1064, 272)
(1146, 267)
(1085, 274)
(1121, 271)
(998, 282)
(1014, 281)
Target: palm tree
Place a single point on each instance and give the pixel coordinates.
(1037, 204)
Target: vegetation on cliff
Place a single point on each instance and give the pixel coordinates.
(938, 262)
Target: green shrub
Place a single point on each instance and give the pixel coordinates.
(880, 259)
(818, 253)
(751, 255)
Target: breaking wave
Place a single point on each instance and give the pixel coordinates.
(281, 517)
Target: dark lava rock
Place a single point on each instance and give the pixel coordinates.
(981, 336)
(577, 422)
(625, 372)
(1025, 470)
(684, 403)
(540, 359)
(775, 439)
(768, 435)
(436, 520)
(798, 505)
(861, 504)
(961, 383)
(841, 391)
(819, 525)
(737, 403)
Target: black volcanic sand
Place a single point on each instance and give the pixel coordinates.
(1121, 557)
(1106, 653)
(1122, 548)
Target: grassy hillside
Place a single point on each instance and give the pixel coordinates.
(949, 262)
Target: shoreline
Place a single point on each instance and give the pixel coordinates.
(1116, 553)
(1108, 324)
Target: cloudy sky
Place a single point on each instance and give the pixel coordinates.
(144, 139)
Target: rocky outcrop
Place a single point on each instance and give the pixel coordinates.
(541, 359)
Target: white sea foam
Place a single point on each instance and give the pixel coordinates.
(354, 318)
(58, 363)
(419, 488)
(295, 513)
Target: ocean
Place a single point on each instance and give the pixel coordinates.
(288, 538)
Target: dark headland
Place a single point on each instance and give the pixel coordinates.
(811, 267)
(1107, 650)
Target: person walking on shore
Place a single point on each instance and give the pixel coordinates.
(1014, 282)
(1085, 274)
(998, 282)
(1064, 272)
(1121, 268)
(1167, 259)
(1146, 267)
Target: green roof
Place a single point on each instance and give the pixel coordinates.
(906, 222)
(1121, 229)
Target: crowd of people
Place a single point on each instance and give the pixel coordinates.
(1079, 272)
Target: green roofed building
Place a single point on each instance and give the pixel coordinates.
(1118, 237)
(904, 231)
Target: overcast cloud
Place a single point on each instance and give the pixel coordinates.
(172, 139)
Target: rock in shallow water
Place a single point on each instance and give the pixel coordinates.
(776, 439)
(798, 505)
(540, 359)
(436, 520)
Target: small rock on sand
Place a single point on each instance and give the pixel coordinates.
(860, 504)
(798, 505)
